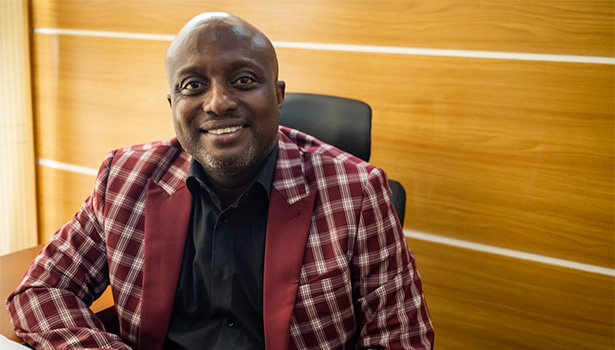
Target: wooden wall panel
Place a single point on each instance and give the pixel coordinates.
(508, 153)
(17, 191)
(484, 301)
(60, 195)
(106, 93)
(557, 27)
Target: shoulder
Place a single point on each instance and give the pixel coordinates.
(313, 149)
(153, 150)
(325, 165)
(147, 160)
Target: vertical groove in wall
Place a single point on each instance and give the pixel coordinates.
(17, 188)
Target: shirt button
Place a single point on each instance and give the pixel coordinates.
(230, 323)
(225, 220)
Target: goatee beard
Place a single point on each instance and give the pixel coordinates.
(228, 167)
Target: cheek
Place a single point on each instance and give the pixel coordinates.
(268, 110)
(178, 122)
(182, 117)
(181, 124)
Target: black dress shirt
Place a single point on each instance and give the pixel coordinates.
(219, 298)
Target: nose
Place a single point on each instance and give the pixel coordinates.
(219, 101)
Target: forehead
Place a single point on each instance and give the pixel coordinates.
(221, 35)
(220, 44)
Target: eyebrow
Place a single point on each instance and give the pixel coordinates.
(259, 70)
(234, 65)
(244, 63)
(187, 71)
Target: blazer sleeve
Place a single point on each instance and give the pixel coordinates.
(50, 307)
(391, 309)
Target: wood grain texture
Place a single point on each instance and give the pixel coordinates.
(60, 195)
(484, 301)
(511, 154)
(17, 191)
(506, 153)
(555, 27)
(111, 92)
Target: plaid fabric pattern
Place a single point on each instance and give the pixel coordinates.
(358, 283)
(358, 280)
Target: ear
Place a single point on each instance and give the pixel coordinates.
(280, 90)
(169, 99)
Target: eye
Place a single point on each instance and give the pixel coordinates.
(244, 81)
(192, 87)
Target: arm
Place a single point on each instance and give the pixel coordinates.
(391, 309)
(50, 307)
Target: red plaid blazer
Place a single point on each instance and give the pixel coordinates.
(337, 271)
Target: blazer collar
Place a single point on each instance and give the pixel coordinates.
(171, 174)
(289, 178)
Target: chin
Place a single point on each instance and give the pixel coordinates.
(229, 165)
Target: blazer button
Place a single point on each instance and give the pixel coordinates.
(230, 323)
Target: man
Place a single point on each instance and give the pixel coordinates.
(236, 235)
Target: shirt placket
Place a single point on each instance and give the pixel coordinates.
(222, 262)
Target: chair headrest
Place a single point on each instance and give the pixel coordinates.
(342, 122)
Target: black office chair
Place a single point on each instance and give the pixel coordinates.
(342, 122)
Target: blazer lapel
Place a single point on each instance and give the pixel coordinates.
(167, 217)
(287, 231)
(288, 224)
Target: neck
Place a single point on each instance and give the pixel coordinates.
(229, 185)
(229, 188)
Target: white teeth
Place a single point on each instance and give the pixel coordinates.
(224, 130)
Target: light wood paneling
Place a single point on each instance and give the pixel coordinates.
(511, 154)
(17, 192)
(507, 153)
(484, 301)
(110, 92)
(557, 27)
(60, 195)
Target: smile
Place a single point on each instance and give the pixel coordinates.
(224, 130)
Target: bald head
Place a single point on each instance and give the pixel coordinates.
(212, 30)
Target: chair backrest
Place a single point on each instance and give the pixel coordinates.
(342, 122)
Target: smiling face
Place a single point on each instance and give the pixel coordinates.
(224, 93)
